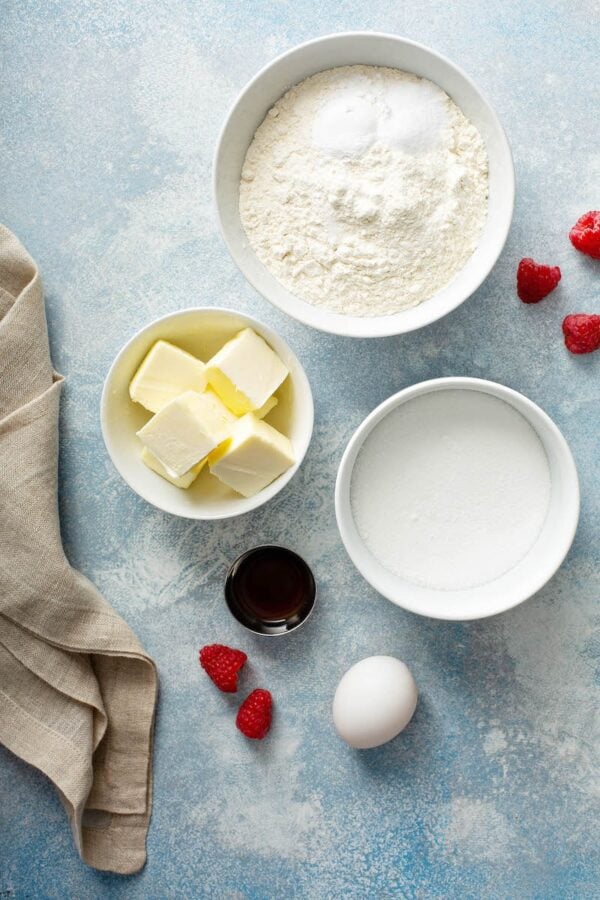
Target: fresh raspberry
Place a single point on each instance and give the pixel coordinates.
(582, 333)
(585, 234)
(254, 715)
(535, 281)
(222, 664)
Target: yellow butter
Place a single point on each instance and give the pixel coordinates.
(186, 430)
(245, 372)
(181, 481)
(266, 408)
(254, 455)
(166, 372)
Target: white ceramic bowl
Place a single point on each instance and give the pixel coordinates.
(366, 48)
(516, 585)
(202, 332)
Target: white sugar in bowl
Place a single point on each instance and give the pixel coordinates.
(375, 700)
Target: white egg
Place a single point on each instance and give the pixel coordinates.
(374, 701)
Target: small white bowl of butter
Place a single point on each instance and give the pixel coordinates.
(284, 425)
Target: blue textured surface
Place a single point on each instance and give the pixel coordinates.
(111, 111)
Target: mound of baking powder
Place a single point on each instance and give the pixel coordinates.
(364, 190)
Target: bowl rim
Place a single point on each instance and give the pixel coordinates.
(328, 321)
(267, 493)
(531, 412)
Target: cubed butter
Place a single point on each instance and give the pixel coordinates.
(166, 372)
(180, 481)
(186, 430)
(266, 408)
(255, 454)
(245, 372)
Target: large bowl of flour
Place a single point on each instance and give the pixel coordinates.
(363, 184)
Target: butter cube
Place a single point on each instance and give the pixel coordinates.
(186, 430)
(180, 481)
(266, 408)
(253, 457)
(166, 372)
(245, 372)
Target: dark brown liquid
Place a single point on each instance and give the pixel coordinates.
(270, 589)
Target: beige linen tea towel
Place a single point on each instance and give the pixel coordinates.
(77, 691)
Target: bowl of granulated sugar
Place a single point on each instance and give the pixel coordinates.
(363, 184)
(457, 498)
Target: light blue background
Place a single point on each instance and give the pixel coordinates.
(111, 110)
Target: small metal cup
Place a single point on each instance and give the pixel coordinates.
(270, 623)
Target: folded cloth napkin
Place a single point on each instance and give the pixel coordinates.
(77, 691)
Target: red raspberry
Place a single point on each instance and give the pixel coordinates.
(222, 664)
(585, 234)
(535, 281)
(254, 715)
(582, 333)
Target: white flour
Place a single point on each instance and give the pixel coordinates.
(364, 190)
(451, 489)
